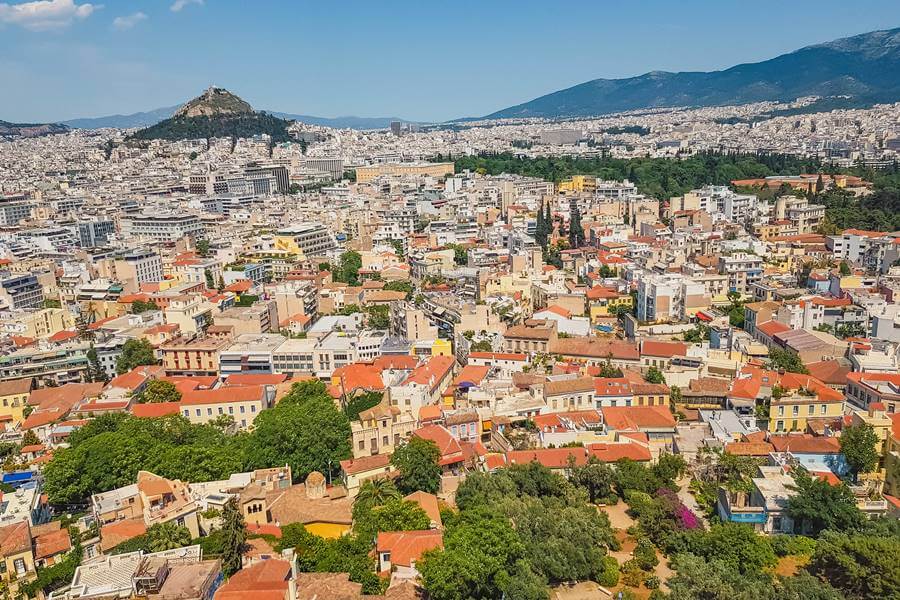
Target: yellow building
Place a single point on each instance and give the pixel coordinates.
(579, 183)
(18, 555)
(367, 173)
(794, 410)
(14, 399)
(603, 302)
(441, 348)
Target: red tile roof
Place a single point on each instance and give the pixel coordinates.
(446, 443)
(264, 580)
(805, 444)
(638, 418)
(407, 547)
(432, 372)
(153, 410)
(363, 464)
(772, 328)
(121, 531)
(241, 393)
(611, 452)
(255, 379)
(663, 349)
(612, 386)
(52, 543)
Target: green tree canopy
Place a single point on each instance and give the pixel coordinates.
(234, 538)
(860, 566)
(167, 536)
(859, 445)
(786, 360)
(654, 375)
(160, 390)
(134, 354)
(417, 462)
(304, 430)
(818, 505)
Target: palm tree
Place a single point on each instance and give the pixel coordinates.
(376, 492)
(167, 536)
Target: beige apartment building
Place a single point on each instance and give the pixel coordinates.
(380, 430)
(241, 403)
(193, 357)
(262, 317)
(367, 173)
(38, 323)
(191, 312)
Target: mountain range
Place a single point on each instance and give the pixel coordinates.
(15, 130)
(865, 67)
(152, 117)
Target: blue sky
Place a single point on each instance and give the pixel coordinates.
(422, 60)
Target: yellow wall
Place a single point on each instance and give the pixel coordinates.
(10, 560)
(602, 308)
(327, 530)
(833, 410)
(441, 348)
(579, 183)
(13, 406)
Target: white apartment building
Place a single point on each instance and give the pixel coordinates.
(162, 227)
(743, 270)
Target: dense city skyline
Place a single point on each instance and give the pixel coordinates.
(309, 59)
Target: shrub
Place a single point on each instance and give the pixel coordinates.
(609, 575)
(645, 554)
(785, 545)
(652, 582)
(632, 574)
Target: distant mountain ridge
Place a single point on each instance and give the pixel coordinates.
(866, 67)
(152, 117)
(8, 129)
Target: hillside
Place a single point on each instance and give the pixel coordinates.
(152, 117)
(138, 119)
(865, 67)
(215, 113)
(8, 129)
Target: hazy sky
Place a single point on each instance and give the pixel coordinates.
(423, 60)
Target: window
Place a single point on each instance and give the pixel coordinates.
(243, 409)
(186, 413)
(780, 411)
(811, 410)
(198, 412)
(253, 408)
(19, 565)
(209, 411)
(824, 409)
(230, 410)
(795, 411)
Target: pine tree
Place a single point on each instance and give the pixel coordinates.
(540, 229)
(576, 230)
(234, 537)
(95, 371)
